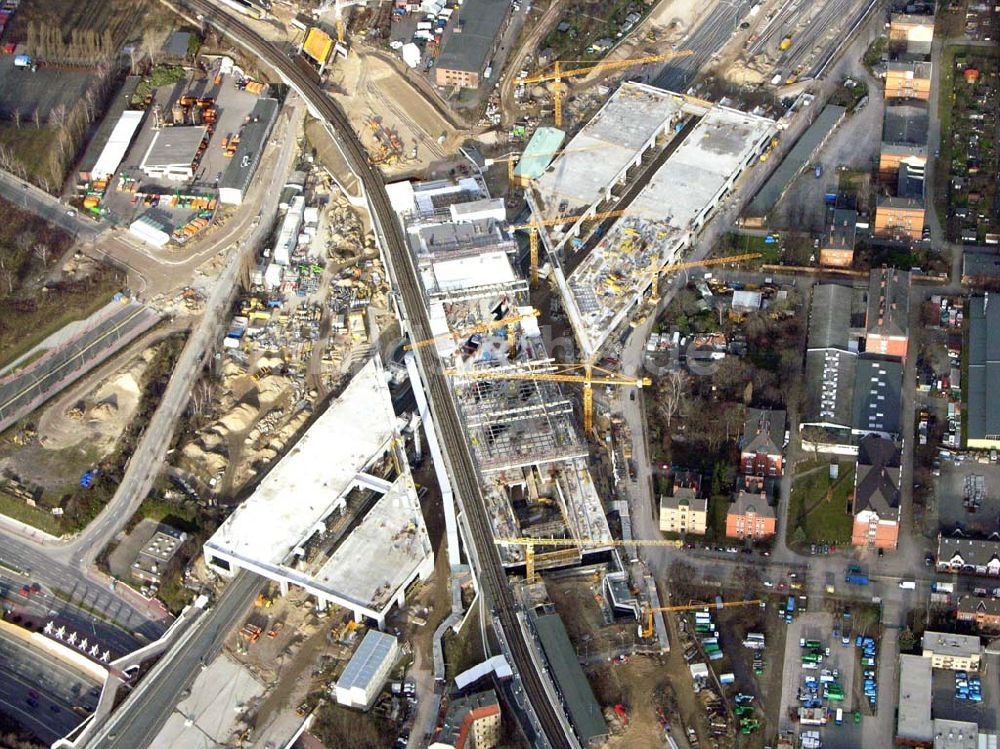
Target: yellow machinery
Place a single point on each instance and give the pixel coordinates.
(558, 74)
(674, 267)
(562, 373)
(534, 226)
(647, 631)
(529, 545)
(481, 328)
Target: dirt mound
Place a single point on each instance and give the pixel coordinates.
(238, 420)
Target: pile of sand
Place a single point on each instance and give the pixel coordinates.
(238, 420)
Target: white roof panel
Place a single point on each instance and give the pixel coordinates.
(117, 145)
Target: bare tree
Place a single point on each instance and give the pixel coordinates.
(17, 118)
(670, 391)
(36, 116)
(42, 251)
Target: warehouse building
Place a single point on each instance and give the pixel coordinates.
(798, 158)
(367, 671)
(291, 529)
(983, 407)
(253, 138)
(914, 726)
(150, 230)
(173, 152)
(106, 150)
(469, 43)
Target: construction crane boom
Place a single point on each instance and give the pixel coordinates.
(534, 226)
(529, 545)
(587, 379)
(480, 328)
(655, 272)
(557, 74)
(648, 630)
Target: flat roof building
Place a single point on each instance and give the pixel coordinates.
(100, 153)
(469, 43)
(983, 407)
(253, 138)
(797, 159)
(959, 734)
(951, 651)
(172, 153)
(365, 674)
(285, 530)
(156, 554)
(584, 711)
(913, 723)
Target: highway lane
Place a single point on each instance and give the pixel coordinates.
(705, 42)
(136, 723)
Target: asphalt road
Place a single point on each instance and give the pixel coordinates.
(40, 693)
(25, 390)
(30, 198)
(139, 719)
(705, 42)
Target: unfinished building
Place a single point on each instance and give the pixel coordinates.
(338, 515)
(521, 429)
(700, 166)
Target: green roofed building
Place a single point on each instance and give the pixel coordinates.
(540, 152)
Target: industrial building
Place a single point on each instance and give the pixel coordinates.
(296, 528)
(469, 43)
(952, 651)
(173, 152)
(914, 726)
(111, 142)
(522, 432)
(253, 137)
(149, 229)
(365, 674)
(888, 316)
(711, 148)
(983, 407)
(798, 158)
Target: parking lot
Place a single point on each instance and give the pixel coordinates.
(25, 92)
(819, 626)
(947, 706)
(950, 492)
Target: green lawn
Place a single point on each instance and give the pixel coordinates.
(18, 510)
(812, 517)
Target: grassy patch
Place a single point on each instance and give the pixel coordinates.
(463, 649)
(33, 516)
(817, 511)
(32, 148)
(737, 243)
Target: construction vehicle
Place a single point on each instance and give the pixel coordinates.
(250, 632)
(655, 272)
(557, 74)
(561, 373)
(263, 601)
(462, 332)
(647, 630)
(529, 545)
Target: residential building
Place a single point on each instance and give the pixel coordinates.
(894, 155)
(888, 317)
(968, 556)
(913, 704)
(984, 612)
(472, 722)
(469, 43)
(915, 32)
(836, 248)
(899, 218)
(876, 494)
(750, 516)
(908, 80)
(954, 652)
(762, 442)
(365, 674)
(684, 512)
(983, 407)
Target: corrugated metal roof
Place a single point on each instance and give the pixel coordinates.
(252, 138)
(118, 143)
(984, 367)
(367, 660)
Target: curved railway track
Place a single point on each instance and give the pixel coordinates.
(463, 471)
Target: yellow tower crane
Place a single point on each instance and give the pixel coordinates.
(561, 373)
(534, 226)
(529, 545)
(647, 631)
(655, 272)
(480, 328)
(558, 73)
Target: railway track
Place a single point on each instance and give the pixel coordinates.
(463, 471)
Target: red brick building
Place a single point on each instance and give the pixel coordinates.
(876, 494)
(760, 446)
(750, 516)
